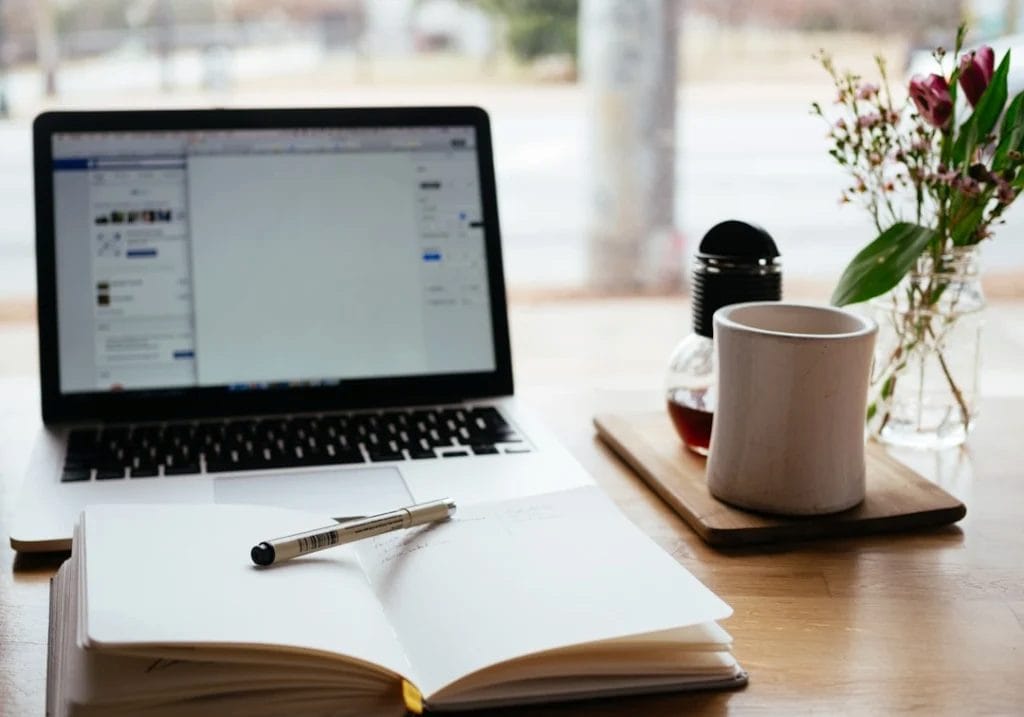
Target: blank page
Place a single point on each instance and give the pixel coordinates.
(181, 575)
(502, 580)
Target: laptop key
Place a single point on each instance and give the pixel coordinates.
(78, 463)
(143, 472)
(109, 465)
(82, 443)
(482, 450)
(221, 465)
(417, 454)
(339, 455)
(490, 416)
(72, 475)
(109, 473)
(385, 455)
(180, 469)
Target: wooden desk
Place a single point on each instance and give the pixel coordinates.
(931, 623)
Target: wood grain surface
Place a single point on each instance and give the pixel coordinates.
(927, 622)
(898, 498)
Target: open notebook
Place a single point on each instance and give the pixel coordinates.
(159, 611)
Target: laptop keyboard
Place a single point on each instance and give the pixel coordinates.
(187, 448)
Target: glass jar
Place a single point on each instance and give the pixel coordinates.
(735, 262)
(924, 384)
(690, 391)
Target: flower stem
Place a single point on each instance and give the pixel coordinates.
(957, 393)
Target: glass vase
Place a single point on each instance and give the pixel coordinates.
(924, 383)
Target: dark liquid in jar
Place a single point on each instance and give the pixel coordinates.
(692, 423)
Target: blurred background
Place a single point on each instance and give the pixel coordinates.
(623, 129)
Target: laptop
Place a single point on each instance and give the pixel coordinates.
(293, 307)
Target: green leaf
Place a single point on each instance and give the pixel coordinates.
(882, 263)
(976, 127)
(964, 228)
(1011, 133)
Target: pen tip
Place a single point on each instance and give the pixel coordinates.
(262, 554)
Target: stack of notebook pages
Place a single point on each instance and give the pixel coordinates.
(556, 597)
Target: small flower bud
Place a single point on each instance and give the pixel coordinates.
(979, 172)
(976, 72)
(932, 99)
(867, 91)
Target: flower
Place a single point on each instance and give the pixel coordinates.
(1005, 192)
(868, 90)
(976, 72)
(931, 97)
(928, 192)
(869, 120)
(968, 186)
(932, 196)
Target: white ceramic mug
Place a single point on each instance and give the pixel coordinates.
(788, 432)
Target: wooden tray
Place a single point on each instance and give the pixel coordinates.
(897, 497)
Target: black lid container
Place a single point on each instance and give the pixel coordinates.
(736, 262)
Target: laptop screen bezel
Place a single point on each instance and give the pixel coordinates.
(200, 402)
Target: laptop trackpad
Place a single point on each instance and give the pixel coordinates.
(332, 493)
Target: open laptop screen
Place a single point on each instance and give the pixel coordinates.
(265, 258)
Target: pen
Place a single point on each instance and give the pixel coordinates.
(280, 549)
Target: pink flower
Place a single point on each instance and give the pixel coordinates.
(867, 91)
(976, 72)
(1005, 192)
(869, 121)
(931, 97)
(969, 187)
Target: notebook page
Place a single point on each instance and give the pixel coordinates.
(505, 579)
(181, 575)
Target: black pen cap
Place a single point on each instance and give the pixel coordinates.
(263, 554)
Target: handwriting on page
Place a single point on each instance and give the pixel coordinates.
(392, 546)
(529, 514)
